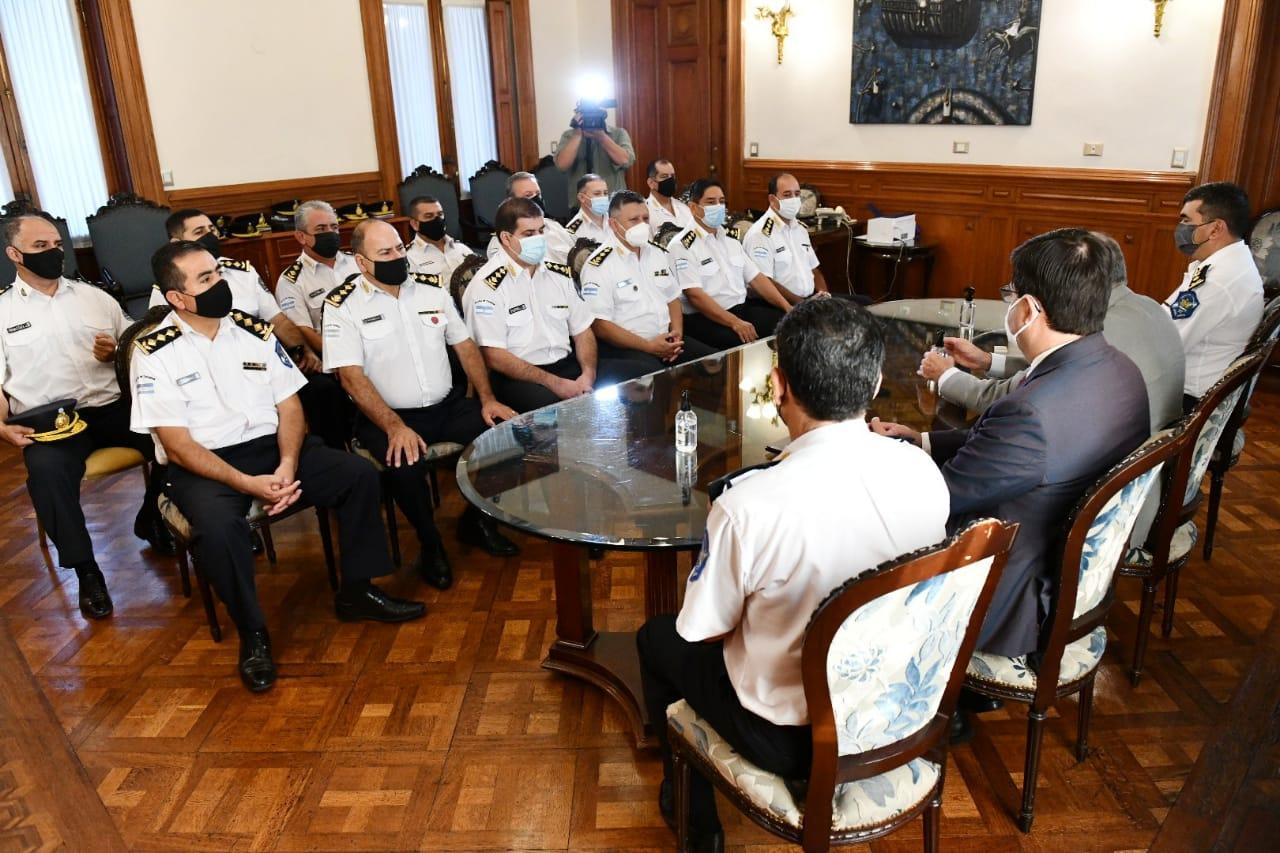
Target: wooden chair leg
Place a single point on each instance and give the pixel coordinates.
(268, 544)
(326, 541)
(682, 770)
(932, 819)
(206, 594)
(1215, 499)
(393, 533)
(1145, 611)
(1170, 599)
(1035, 736)
(1082, 719)
(184, 571)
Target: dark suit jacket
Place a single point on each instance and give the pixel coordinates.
(1029, 458)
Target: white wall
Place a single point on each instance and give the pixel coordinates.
(1100, 77)
(247, 90)
(569, 38)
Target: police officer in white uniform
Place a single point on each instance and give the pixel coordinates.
(727, 300)
(592, 219)
(629, 287)
(432, 251)
(558, 240)
(1219, 302)
(218, 392)
(59, 342)
(386, 336)
(663, 205)
(532, 327)
(779, 538)
(321, 267)
(781, 247)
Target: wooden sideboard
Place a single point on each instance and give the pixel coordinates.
(272, 253)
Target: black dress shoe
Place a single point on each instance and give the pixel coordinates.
(257, 669)
(479, 530)
(961, 729)
(977, 703)
(95, 601)
(433, 565)
(256, 543)
(150, 527)
(374, 605)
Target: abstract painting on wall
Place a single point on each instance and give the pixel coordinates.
(944, 61)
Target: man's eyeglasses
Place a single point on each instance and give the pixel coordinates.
(1008, 293)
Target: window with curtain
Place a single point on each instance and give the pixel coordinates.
(46, 69)
(413, 83)
(467, 37)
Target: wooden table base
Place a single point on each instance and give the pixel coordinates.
(606, 659)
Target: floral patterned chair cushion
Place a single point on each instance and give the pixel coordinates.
(1207, 441)
(182, 528)
(856, 805)
(1078, 660)
(1184, 539)
(1105, 542)
(437, 450)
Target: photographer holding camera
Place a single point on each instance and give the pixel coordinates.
(591, 145)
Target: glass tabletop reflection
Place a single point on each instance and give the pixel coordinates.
(603, 469)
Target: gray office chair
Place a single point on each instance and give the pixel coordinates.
(555, 189)
(425, 180)
(23, 207)
(126, 232)
(488, 190)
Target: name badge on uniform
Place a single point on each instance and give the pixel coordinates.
(1184, 305)
(18, 328)
(189, 378)
(517, 309)
(254, 365)
(313, 294)
(781, 250)
(433, 315)
(625, 283)
(375, 318)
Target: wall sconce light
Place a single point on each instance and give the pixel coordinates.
(761, 405)
(778, 25)
(1160, 4)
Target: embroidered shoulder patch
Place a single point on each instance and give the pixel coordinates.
(252, 324)
(1184, 305)
(149, 343)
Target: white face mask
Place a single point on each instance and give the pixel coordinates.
(637, 235)
(789, 207)
(1035, 312)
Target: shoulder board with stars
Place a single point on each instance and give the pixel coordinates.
(655, 244)
(735, 233)
(149, 343)
(687, 239)
(339, 294)
(426, 278)
(496, 277)
(563, 269)
(601, 256)
(5, 288)
(252, 324)
(232, 263)
(1200, 277)
(768, 226)
(294, 270)
(573, 226)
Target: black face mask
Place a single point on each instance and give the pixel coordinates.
(667, 186)
(391, 273)
(46, 264)
(214, 303)
(432, 229)
(211, 242)
(537, 199)
(327, 243)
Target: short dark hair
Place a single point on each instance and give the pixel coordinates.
(176, 222)
(623, 197)
(1223, 200)
(512, 211)
(831, 352)
(586, 179)
(11, 225)
(1068, 272)
(652, 170)
(699, 187)
(773, 181)
(521, 176)
(164, 264)
(421, 199)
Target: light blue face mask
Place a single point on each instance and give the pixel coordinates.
(533, 249)
(600, 205)
(713, 214)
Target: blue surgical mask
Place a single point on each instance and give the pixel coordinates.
(600, 205)
(713, 214)
(533, 249)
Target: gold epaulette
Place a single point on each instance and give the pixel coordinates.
(496, 277)
(243, 266)
(151, 342)
(426, 278)
(339, 294)
(294, 270)
(768, 226)
(601, 256)
(573, 226)
(252, 324)
(687, 239)
(563, 269)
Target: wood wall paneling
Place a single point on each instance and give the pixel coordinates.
(1260, 169)
(498, 14)
(444, 94)
(635, 68)
(1225, 142)
(380, 96)
(131, 104)
(526, 102)
(234, 199)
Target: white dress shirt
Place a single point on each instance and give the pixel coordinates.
(303, 286)
(581, 226)
(713, 261)
(46, 350)
(248, 293)
(841, 500)
(783, 251)
(658, 214)
(533, 315)
(630, 287)
(427, 258)
(559, 242)
(400, 342)
(1216, 309)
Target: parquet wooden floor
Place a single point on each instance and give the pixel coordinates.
(446, 734)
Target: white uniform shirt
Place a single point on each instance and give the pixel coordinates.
(630, 288)
(248, 293)
(427, 258)
(658, 214)
(559, 242)
(1216, 309)
(400, 343)
(224, 391)
(46, 349)
(303, 286)
(580, 226)
(713, 261)
(840, 500)
(783, 251)
(533, 316)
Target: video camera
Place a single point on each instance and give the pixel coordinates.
(594, 114)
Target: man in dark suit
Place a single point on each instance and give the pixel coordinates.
(1081, 408)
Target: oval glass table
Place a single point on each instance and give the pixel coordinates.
(601, 471)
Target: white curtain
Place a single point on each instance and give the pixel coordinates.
(466, 33)
(412, 84)
(47, 67)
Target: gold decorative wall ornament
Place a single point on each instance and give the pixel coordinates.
(1160, 4)
(778, 23)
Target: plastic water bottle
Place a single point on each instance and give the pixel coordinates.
(686, 475)
(937, 347)
(686, 426)
(967, 313)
